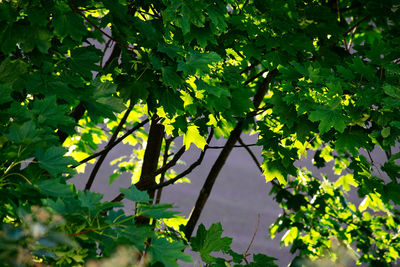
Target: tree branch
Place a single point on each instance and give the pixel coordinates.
(255, 160)
(110, 143)
(190, 168)
(151, 155)
(76, 10)
(172, 162)
(162, 178)
(356, 25)
(219, 147)
(220, 162)
(251, 154)
(110, 146)
(255, 77)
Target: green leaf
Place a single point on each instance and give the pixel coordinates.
(84, 60)
(392, 91)
(192, 13)
(103, 100)
(90, 200)
(68, 24)
(345, 181)
(274, 170)
(392, 192)
(193, 136)
(137, 234)
(55, 188)
(290, 235)
(135, 194)
(50, 113)
(26, 133)
(5, 89)
(54, 161)
(328, 118)
(218, 91)
(157, 211)
(198, 62)
(170, 77)
(167, 252)
(11, 70)
(207, 241)
(351, 140)
(385, 132)
(261, 260)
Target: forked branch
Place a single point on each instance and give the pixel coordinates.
(190, 168)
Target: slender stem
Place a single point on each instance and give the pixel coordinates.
(110, 143)
(219, 147)
(110, 146)
(254, 235)
(211, 178)
(251, 154)
(100, 30)
(255, 77)
(162, 178)
(255, 160)
(357, 24)
(171, 163)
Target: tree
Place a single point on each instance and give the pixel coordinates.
(305, 75)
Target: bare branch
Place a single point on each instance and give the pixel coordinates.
(162, 178)
(172, 162)
(191, 167)
(110, 146)
(251, 154)
(254, 235)
(273, 182)
(357, 24)
(110, 143)
(220, 147)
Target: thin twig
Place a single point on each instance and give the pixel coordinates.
(83, 232)
(162, 178)
(273, 182)
(219, 147)
(190, 168)
(76, 10)
(251, 154)
(373, 164)
(110, 143)
(254, 235)
(255, 77)
(172, 162)
(110, 146)
(357, 24)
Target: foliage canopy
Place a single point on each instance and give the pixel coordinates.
(317, 78)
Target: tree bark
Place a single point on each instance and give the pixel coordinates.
(151, 155)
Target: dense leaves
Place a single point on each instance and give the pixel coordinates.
(303, 75)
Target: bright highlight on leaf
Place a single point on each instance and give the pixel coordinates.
(346, 181)
(193, 136)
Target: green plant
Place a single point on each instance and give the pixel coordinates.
(304, 75)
